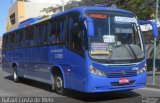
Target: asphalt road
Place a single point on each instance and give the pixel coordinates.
(29, 88)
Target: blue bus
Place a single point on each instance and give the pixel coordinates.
(88, 49)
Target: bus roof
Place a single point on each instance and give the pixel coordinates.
(80, 9)
(28, 22)
(83, 8)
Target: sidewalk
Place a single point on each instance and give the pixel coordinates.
(157, 80)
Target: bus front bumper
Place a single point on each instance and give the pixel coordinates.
(104, 84)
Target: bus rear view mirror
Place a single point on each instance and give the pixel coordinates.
(153, 24)
(90, 26)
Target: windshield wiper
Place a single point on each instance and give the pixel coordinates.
(134, 54)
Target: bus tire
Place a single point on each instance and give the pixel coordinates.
(15, 75)
(59, 84)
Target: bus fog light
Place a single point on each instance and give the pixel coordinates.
(96, 72)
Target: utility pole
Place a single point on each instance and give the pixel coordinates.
(155, 47)
(62, 5)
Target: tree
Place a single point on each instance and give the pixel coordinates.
(144, 9)
(51, 9)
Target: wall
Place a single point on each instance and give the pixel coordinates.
(33, 9)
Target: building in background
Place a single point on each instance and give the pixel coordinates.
(23, 9)
(0, 51)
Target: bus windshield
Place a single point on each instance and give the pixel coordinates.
(117, 38)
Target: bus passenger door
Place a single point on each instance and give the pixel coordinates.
(76, 56)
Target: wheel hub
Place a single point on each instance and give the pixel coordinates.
(59, 82)
(14, 75)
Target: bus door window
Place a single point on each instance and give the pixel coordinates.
(75, 34)
(76, 38)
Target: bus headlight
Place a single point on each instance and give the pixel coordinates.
(96, 71)
(140, 71)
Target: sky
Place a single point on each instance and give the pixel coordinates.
(4, 7)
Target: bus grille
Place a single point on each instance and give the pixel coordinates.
(121, 74)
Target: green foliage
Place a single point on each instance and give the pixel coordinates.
(142, 8)
(51, 9)
(139, 7)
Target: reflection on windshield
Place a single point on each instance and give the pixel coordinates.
(116, 38)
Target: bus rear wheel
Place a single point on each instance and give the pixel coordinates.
(59, 84)
(15, 75)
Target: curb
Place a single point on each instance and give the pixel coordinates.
(153, 86)
(150, 74)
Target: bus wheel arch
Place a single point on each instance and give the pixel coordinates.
(14, 65)
(59, 80)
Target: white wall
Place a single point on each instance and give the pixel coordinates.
(50, 1)
(33, 9)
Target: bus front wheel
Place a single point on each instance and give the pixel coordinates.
(59, 83)
(15, 75)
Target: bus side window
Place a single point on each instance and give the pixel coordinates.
(29, 36)
(17, 39)
(36, 35)
(57, 36)
(4, 42)
(20, 38)
(52, 32)
(38, 40)
(24, 38)
(45, 33)
(7, 41)
(41, 34)
(60, 31)
(11, 40)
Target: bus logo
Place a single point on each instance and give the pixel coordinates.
(123, 72)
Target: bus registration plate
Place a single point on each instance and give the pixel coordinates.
(124, 81)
